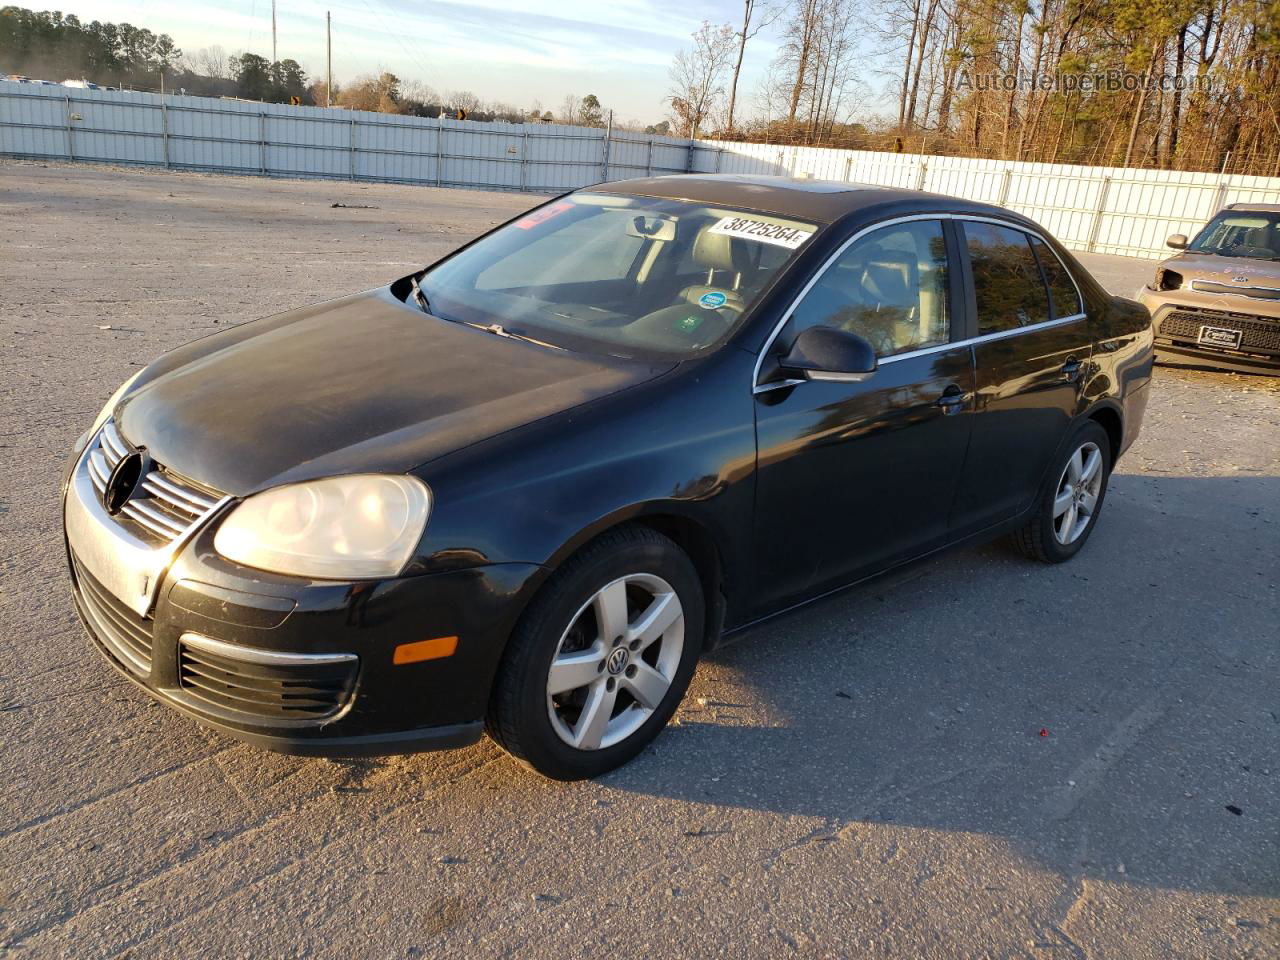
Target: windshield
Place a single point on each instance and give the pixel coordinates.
(628, 276)
(1241, 234)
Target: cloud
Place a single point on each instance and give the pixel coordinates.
(501, 49)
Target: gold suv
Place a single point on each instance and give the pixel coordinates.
(1218, 301)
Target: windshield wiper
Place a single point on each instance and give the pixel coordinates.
(499, 330)
(419, 297)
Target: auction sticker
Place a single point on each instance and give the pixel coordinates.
(542, 215)
(761, 231)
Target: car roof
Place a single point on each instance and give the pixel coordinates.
(1256, 207)
(799, 197)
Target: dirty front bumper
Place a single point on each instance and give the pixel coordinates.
(294, 665)
(1236, 332)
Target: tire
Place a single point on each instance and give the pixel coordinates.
(1046, 536)
(621, 580)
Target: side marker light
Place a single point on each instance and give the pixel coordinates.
(433, 649)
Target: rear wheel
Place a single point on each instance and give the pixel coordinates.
(601, 658)
(1069, 506)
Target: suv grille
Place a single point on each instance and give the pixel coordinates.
(244, 681)
(1254, 334)
(119, 629)
(165, 509)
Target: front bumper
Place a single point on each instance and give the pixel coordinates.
(294, 665)
(1178, 317)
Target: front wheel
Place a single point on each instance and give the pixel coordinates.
(1068, 508)
(601, 658)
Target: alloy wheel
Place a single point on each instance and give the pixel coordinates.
(1077, 493)
(615, 662)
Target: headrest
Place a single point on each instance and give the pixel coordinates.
(902, 263)
(1261, 237)
(715, 251)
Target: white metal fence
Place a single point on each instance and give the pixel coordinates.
(235, 136)
(1101, 209)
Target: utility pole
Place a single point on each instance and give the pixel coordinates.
(328, 60)
(274, 59)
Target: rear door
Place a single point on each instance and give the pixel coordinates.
(853, 476)
(1031, 349)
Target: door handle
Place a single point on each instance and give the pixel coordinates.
(1071, 369)
(952, 400)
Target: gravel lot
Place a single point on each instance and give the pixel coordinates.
(865, 779)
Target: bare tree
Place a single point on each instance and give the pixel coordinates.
(463, 100)
(801, 32)
(696, 74)
(774, 92)
(755, 17)
(418, 92)
(570, 107)
(906, 68)
(815, 68)
(211, 62)
(924, 35)
(952, 68)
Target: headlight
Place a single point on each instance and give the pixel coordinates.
(105, 413)
(342, 528)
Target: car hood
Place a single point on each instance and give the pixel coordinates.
(361, 384)
(1226, 270)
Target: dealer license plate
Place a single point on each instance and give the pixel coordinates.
(1220, 337)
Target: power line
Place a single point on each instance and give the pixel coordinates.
(417, 58)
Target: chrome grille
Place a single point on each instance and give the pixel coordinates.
(119, 629)
(269, 686)
(167, 506)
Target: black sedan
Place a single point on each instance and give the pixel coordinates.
(524, 489)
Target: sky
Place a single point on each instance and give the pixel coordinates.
(504, 50)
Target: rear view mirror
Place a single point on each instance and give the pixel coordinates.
(824, 353)
(1178, 241)
(652, 228)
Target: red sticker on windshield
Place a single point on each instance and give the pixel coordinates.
(542, 215)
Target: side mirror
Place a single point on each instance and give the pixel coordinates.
(1178, 241)
(824, 353)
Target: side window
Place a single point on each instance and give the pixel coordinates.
(570, 254)
(1062, 290)
(1006, 278)
(889, 287)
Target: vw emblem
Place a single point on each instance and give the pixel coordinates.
(1239, 279)
(617, 661)
(124, 481)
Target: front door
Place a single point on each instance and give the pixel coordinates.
(855, 476)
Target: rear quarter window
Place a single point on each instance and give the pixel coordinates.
(1062, 289)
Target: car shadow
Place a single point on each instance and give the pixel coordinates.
(1118, 709)
(1180, 362)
